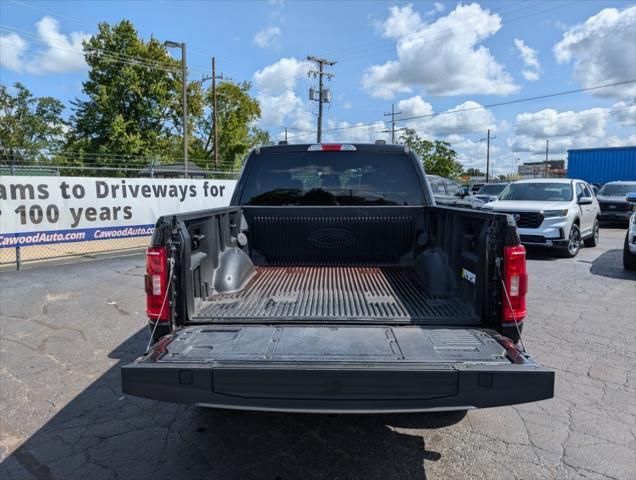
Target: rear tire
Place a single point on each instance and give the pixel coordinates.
(629, 259)
(593, 240)
(573, 245)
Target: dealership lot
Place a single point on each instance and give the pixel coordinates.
(66, 330)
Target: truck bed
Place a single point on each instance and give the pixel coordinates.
(342, 294)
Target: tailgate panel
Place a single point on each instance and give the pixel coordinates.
(335, 384)
(342, 369)
(327, 343)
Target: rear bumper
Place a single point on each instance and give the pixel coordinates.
(613, 216)
(339, 389)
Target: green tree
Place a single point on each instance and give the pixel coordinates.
(474, 172)
(237, 112)
(437, 156)
(132, 106)
(31, 128)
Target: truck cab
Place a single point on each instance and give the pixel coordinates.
(333, 283)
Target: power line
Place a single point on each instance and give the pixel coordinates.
(438, 33)
(107, 54)
(89, 23)
(491, 105)
(476, 126)
(84, 22)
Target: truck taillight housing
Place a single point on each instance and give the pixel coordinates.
(515, 278)
(157, 305)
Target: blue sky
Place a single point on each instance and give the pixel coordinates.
(426, 57)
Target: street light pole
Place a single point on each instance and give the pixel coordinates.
(184, 99)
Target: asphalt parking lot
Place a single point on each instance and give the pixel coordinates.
(67, 329)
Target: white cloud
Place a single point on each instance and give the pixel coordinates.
(530, 60)
(615, 141)
(472, 154)
(61, 53)
(437, 8)
(12, 49)
(469, 117)
(267, 37)
(355, 132)
(550, 123)
(285, 108)
(530, 75)
(444, 57)
(280, 105)
(564, 130)
(604, 51)
(281, 75)
(401, 22)
(625, 113)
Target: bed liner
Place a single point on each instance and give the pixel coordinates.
(343, 294)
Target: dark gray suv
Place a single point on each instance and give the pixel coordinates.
(614, 205)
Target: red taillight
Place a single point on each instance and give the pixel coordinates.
(515, 279)
(331, 147)
(157, 306)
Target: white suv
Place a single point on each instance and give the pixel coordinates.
(552, 212)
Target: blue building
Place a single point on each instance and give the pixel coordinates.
(601, 165)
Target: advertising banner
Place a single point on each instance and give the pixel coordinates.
(44, 210)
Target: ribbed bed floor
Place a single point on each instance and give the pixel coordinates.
(345, 294)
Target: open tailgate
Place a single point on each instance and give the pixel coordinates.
(326, 368)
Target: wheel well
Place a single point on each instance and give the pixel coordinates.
(577, 222)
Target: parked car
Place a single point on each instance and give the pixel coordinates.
(613, 202)
(560, 213)
(489, 193)
(629, 249)
(334, 284)
(475, 187)
(449, 193)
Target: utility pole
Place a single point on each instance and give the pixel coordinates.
(214, 115)
(487, 139)
(184, 99)
(184, 95)
(324, 96)
(392, 114)
(213, 137)
(285, 134)
(547, 143)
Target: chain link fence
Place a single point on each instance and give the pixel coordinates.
(15, 257)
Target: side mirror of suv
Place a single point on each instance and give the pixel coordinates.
(585, 201)
(631, 197)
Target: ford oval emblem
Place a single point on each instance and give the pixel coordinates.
(332, 238)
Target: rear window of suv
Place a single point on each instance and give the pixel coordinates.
(617, 189)
(331, 178)
(540, 191)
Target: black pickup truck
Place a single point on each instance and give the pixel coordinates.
(334, 284)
